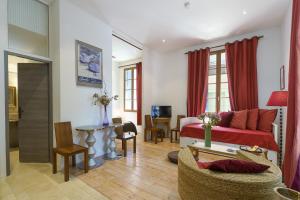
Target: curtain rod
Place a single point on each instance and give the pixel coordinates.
(128, 65)
(127, 42)
(259, 37)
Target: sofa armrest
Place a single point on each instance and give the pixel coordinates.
(275, 131)
(188, 120)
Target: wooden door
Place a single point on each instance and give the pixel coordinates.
(33, 126)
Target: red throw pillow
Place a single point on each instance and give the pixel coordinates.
(237, 166)
(252, 119)
(266, 118)
(226, 118)
(239, 119)
(203, 165)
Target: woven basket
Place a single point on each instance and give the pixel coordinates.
(286, 194)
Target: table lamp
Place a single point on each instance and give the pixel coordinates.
(279, 99)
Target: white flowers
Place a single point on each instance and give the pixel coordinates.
(104, 99)
(210, 119)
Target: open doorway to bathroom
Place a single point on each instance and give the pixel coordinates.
(126, 66)
(28, 110)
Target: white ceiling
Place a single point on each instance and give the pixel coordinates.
(151, 21)
(123, 51)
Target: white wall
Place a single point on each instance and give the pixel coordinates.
(116, 90)
(170, 82)
(169, 71)
(3, 46)
(27, 41)
(76, 102)
(147, 91)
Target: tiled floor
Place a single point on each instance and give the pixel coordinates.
(36, 182)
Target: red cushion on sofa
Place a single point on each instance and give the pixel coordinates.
(239, 119)
(237, 166)
(226, 118)
(265, 119)
(203, 165)
(252, 119)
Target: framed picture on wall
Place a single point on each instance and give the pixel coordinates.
(89, 61)
(282, 78)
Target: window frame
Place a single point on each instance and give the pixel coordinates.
(48, 32)
(218, 83)
(132, 89)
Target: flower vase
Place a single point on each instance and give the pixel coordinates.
(105, 118)
(208, 136)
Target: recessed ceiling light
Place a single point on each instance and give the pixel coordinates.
(244, 12)
(163, 41)
(187, 4)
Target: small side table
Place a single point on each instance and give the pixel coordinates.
(90, 141)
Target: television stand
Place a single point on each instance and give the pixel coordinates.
(165, 121)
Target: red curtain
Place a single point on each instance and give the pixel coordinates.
(198, 62)
(291, 165)
(139, 92)
(242, 74)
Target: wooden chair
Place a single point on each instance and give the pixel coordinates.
(126, 131)
(117, 120)
(66, 148)
(154, 132)
(177, 128)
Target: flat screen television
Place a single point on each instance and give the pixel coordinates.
(161, 111)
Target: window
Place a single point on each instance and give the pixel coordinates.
(28, 26)
(130, 104)
(218, 94)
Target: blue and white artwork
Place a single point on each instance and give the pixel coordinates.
(89, 65)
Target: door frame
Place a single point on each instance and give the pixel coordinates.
(50, 106)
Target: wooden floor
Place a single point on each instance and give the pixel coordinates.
(146, 175)
(36, 182)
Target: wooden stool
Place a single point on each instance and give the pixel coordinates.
(154, 132)
(177, 129)
(124, 142)
(126, 131)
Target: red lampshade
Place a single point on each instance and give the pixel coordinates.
(278, 98)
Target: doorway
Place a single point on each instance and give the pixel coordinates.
(28, 110)
(126, 57)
